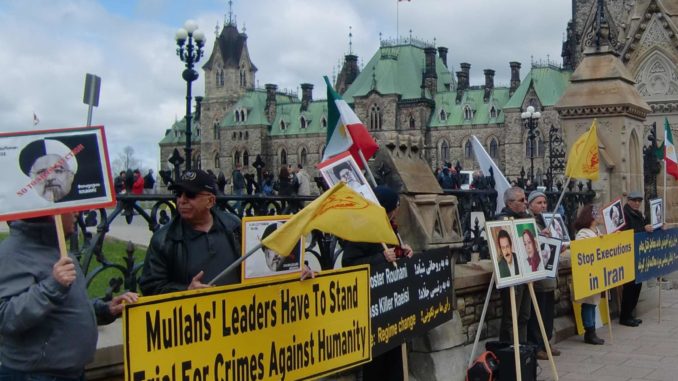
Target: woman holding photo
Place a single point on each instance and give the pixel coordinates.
(586, 226)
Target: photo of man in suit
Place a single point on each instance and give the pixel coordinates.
(508, 266)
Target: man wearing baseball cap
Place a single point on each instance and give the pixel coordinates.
(196, 245)
(636, 221)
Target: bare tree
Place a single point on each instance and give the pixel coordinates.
(126, 160)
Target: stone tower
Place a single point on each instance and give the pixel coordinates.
(229, 73)
(601, 88)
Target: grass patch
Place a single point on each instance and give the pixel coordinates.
(115, 251)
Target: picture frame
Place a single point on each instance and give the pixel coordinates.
(344, 168)
(265, 263)
(47, 172)
(527, 233)
(550, 250)
(558, 229)
(657, 213)
(613, 216)
(503, 233)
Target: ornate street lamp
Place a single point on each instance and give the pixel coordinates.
(531, 122)
(189, 53)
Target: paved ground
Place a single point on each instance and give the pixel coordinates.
(648, 352)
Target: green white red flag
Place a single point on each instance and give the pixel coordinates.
(670, 151)
(345, 132)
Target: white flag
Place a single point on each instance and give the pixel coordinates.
(485, 162)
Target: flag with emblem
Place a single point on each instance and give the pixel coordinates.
(340, 211)
(670, 151)
(582, 161)
(345, 132)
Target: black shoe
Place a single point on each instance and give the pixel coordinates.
(590, 337)
(629, 322)
(638, 321)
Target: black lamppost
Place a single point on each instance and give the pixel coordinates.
(531, 122)
(189, 53)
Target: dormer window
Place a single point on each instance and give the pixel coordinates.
(243, 115)
(237, 116)
(468, 113)
(443, 115)
(493, 112)
(303, 122)
(282, 125)
(323, 122)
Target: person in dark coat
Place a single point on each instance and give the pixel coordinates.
(636, 221)
(389, 365)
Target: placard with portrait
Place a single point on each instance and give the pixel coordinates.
(657, 213)
(53, 172)
(613, 216)
(557, 229)
(344, 168)
(266, 263)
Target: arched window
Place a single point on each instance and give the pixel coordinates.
(247, 135)
(246, 158)
(413, 125)
(283, 157)
(443, 115)
(323, 122)
(243, 77)
(468, 113)
(493, 112)
(302, 157)
(217, 134)
(233, 136)
(197, 131)
(539, 146)
(236, 157)
(282, 125)
(243, 115)
(375, 117)
(217, 164)
(237, 116)
(221, 77)
(494, 148)
(240, 135)
(197, 163)
(444, 151)
(468, 150)
(302, 122)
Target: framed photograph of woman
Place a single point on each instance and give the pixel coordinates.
(656, 213)
(344, 168)
(532, 262)
(558, 229)
(550, 254)
(613, 216)
(264, 262)
(504, 249)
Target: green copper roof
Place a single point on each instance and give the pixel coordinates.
(397, 70)
(549, 82)
(291, 114)
(254, 102)
(177, 133)
(473, 99)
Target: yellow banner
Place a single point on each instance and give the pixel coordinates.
(601, 263)
(286, 329)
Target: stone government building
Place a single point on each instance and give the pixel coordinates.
(407, 94)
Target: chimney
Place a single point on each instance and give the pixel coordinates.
(489, 83)
(349, 72)
(442, 53)
(462, 80)
(515, 77)
(306, 95)
(270, 101)
(430, 75)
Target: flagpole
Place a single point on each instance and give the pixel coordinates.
(560, 199)
(397, 22)
(367, 168)
(235, 264)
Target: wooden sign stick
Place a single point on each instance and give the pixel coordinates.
(516, 341)
(63, 251)
(547, 345)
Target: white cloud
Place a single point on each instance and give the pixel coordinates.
(50, 46)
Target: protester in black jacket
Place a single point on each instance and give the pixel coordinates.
(631, 291)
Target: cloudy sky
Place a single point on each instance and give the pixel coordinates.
(49, 46)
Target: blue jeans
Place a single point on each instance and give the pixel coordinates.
(7, 374)
(588, 315)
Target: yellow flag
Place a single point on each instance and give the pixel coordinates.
(582, 162)
(339, 211)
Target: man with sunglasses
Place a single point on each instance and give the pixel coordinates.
(516, 207)
(195, 245)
